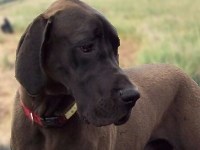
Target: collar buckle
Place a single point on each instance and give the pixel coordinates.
(31, 117)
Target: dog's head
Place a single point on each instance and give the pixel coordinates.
(75, 47)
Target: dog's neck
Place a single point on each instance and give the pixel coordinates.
(75, 132)
(48, 109)
(47, 104)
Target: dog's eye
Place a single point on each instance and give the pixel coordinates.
(87, 48)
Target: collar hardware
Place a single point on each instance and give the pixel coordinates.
(53, 121)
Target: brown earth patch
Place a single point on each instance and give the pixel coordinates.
(127, 52)
(8, 84)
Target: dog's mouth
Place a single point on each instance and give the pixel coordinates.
(122, 120)
(118, 122)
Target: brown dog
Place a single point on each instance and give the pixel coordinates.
(67, 62)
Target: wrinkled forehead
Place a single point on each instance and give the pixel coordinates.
(75, 22)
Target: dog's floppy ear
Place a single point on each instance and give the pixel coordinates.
(29, 70)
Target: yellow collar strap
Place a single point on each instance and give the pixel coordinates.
(71, 112)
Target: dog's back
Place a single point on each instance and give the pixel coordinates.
(167, 112)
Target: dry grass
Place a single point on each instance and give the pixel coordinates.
(8, 84)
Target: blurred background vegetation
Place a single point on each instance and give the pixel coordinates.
(151, 31)
(158, 31)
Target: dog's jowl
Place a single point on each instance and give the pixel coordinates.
(74, 96)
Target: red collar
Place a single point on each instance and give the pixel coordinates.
(54, 121)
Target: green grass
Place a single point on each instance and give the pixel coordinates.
(22, 12)
(165, 31)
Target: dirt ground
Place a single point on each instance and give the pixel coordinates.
(8, 83)
(8, 86)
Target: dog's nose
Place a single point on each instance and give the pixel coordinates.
(129, 96)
